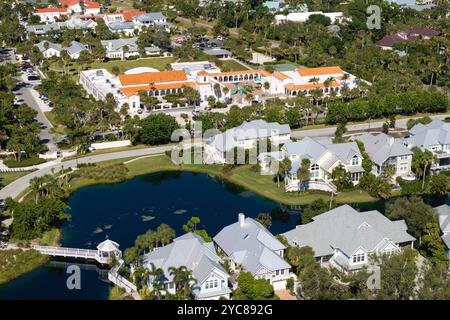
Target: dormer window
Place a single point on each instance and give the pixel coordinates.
(355, 161)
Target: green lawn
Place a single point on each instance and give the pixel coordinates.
(11, 163)
(157, 63)
(233, 65)
(8, 177)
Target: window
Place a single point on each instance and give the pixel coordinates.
(277, 272)
(359, 258)
(314, 171)
(403, 167)
(355, 161)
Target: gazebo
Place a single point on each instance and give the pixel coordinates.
(107, 249)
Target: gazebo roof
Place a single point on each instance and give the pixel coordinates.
(108, 246)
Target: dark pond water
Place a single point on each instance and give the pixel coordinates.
(123, 211)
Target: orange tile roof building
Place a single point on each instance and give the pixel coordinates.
(206, 78)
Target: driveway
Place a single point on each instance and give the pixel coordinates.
(26, 94)
(18, 186)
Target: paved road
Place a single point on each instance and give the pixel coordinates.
(26, 94)
(329, 131)
(19, 185)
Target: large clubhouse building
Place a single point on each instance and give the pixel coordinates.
(208, 80)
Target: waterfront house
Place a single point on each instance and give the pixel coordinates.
(192, 252)
(245, 137)
(444, 224)
(324, 156)
(250, 247)
(384, 150)
(435, 137)
(344, 237)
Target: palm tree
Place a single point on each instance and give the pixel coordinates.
(157, 284)
(314, 80)
(183, 280)
(303, 172)
(427, 160)
(165, 234)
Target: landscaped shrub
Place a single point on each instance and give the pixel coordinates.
(110, 173)
(12, 163)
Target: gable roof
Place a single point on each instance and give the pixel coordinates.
(129, 15)
(189, 250)
(152, 77)
(346, 229)
(248, 130)
(380, 147)
(248, 243)
(74, 47)
(118, 44)
(434, 133)
(314, 148)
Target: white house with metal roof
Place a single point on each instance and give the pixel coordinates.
(324, 156)
(192, 252)
(385, 150)
(151, 19)
(55, 49)
(250, 247)
(124, 48)
(345, 237)
(435, 137)
(218, 148)
(443, 213)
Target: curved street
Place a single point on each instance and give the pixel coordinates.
(15, 188)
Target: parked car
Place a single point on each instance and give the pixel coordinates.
(33, 77)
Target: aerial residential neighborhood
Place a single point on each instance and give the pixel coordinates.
(224, 150)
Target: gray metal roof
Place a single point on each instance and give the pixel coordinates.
(149, 17)
(444, 217)
(251, 245)
(121, 25)
(118, 44)
(249, 130)
(189, 250)
(314, 149)
(347, 229)
(73, 23)
(75, 47)
(381, 147)
(217, 52)
(437, 132)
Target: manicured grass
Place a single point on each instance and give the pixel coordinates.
(16, 262)
(233, 65)
(157, 63)
(109, 150)
(8, 177)
(11, 163)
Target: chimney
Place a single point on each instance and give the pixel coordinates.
(241, 219)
